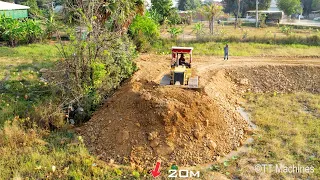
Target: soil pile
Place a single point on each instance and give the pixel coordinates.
(275, 78)
(144, 122)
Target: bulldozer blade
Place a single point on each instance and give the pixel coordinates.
(165, 80)
(193, 82)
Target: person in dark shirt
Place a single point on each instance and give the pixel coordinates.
(226, 52)
(182, 60)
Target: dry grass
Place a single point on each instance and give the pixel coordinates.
(243, 49)
(229, 30)
(288, 134)
(38, 154)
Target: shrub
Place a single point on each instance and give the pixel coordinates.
(13, 134)
(174, 17)
(16, 32)
(262, 23)
(92, 69)
(286, 30)
(33, 30)
(198, 29)
(50, 26)
(144, 31)
(13, 31)
(47, 115)
(174, 32)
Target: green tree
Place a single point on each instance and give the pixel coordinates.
(34, 9)
(211, 11)
(316, 5)
(94, 65)
(162, 7)
(144, 31)
(185, 5)
(116, 15)
(174, 17)
(307, 6)
(290, 7)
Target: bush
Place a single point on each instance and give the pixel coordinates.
(174, 17)
(91, 70)
(144, 31)
(286, 30)
(12, 31)
(16, 32)
(33, 31)
(174, 32)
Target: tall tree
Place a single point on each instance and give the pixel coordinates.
(185, 5)
(162, 7)
(307, 6)
(211, 11)
(290, 7)
(316, 5)
(117, 14)
(34, 9)
(94, 64)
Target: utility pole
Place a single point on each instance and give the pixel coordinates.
(257, 15)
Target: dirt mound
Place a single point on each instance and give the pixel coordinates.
(275, 78)
(144, 122)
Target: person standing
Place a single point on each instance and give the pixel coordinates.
(226, 52)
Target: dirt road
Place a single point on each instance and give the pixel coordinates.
(144, 122)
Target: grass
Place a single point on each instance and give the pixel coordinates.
(34, 56)
(32, 52)
(288, 134)
(289, 123)
(245, 41)
(38, 154)
(20, 86)
(241, 49)
(28, 151)
(238, 33)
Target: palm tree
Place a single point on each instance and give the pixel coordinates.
(122, 12)
(211, 12)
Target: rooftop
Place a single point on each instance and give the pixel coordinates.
(11, 6)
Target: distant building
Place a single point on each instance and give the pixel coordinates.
(13, 10)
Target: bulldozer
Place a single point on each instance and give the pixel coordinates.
(181, 71)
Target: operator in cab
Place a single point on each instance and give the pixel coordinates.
(182, 60)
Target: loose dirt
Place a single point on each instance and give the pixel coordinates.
(144, 122)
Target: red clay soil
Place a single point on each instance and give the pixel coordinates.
(144, 122)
